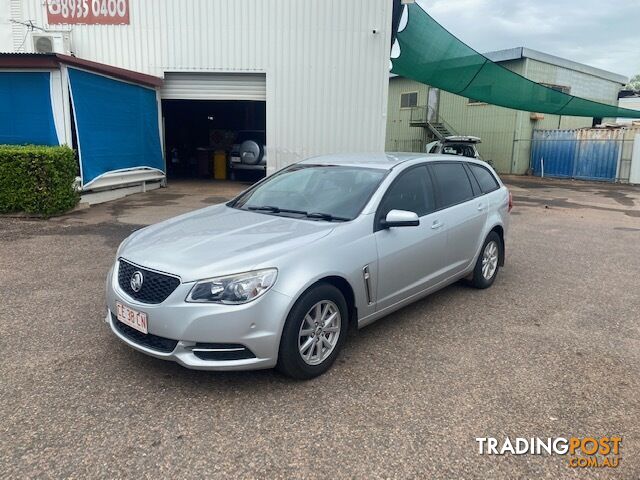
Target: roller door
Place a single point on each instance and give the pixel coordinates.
(214, 86)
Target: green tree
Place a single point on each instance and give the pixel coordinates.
(634, 84)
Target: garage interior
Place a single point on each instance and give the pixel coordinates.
(200, 136)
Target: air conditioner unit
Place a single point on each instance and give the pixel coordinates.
(52, 42)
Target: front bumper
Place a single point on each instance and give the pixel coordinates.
(257, 326)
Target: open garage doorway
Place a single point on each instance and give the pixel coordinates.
(215, 139)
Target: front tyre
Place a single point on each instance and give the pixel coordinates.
(488, 263)
(314, 333)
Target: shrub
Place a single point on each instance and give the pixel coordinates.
(37, 180)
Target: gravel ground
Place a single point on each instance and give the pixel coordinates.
(552, 349)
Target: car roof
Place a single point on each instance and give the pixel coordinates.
(383, 161)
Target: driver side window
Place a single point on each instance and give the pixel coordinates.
(411, 191)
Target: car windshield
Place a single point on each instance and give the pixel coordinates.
(322, 192)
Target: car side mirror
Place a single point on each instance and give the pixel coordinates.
(400, 218)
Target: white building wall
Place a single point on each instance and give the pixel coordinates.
(632, 103)
(582, 84)
(6, 35)
(326, 71)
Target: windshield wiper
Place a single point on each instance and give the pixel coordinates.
(268, 208)
(272, 209)
(319, 215)
(327, 216)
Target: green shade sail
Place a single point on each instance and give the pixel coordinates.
(424, 51)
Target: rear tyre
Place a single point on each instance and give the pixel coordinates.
(314, 333)
(488, 263)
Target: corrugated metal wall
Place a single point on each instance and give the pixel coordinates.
(18, 31)
(634, 164)
(628, 102)
(401, 137)
(630, 152)
(553, 153)
(506, 134)
(587, 154)
(494, 125)
(582, 84)
(598, 154)
(326, 71)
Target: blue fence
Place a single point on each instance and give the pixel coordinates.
(588, 154)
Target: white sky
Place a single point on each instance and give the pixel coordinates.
(601, 33)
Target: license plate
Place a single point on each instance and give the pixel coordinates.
(131, 317)
(235, 160)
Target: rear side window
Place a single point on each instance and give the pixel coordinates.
(485, 178)
(411, 191)
(453, 183)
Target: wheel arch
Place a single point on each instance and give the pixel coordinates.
(345, 288)
(499, 229)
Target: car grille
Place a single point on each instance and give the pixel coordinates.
(156, 287)
(154, 342)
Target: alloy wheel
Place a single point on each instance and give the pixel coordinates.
(490, 260)
(319, 332)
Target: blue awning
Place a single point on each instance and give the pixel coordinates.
(116, 123)
(26, 113)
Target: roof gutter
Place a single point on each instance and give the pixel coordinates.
(55, 60)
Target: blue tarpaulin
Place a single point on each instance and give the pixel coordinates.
(117, 125)
(26, 114)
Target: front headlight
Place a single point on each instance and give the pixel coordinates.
(234, 289)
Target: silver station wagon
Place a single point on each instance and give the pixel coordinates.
(275, 277)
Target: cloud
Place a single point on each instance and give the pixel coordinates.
(601, 33)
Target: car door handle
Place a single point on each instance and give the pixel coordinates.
(437, 224)
(481, 207)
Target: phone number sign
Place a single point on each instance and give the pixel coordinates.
(88, 12)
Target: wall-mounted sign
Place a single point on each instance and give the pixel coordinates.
(88, 12)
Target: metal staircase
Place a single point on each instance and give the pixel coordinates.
(427, 117)
(439, 130)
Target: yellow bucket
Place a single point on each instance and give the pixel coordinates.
(220, 165)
